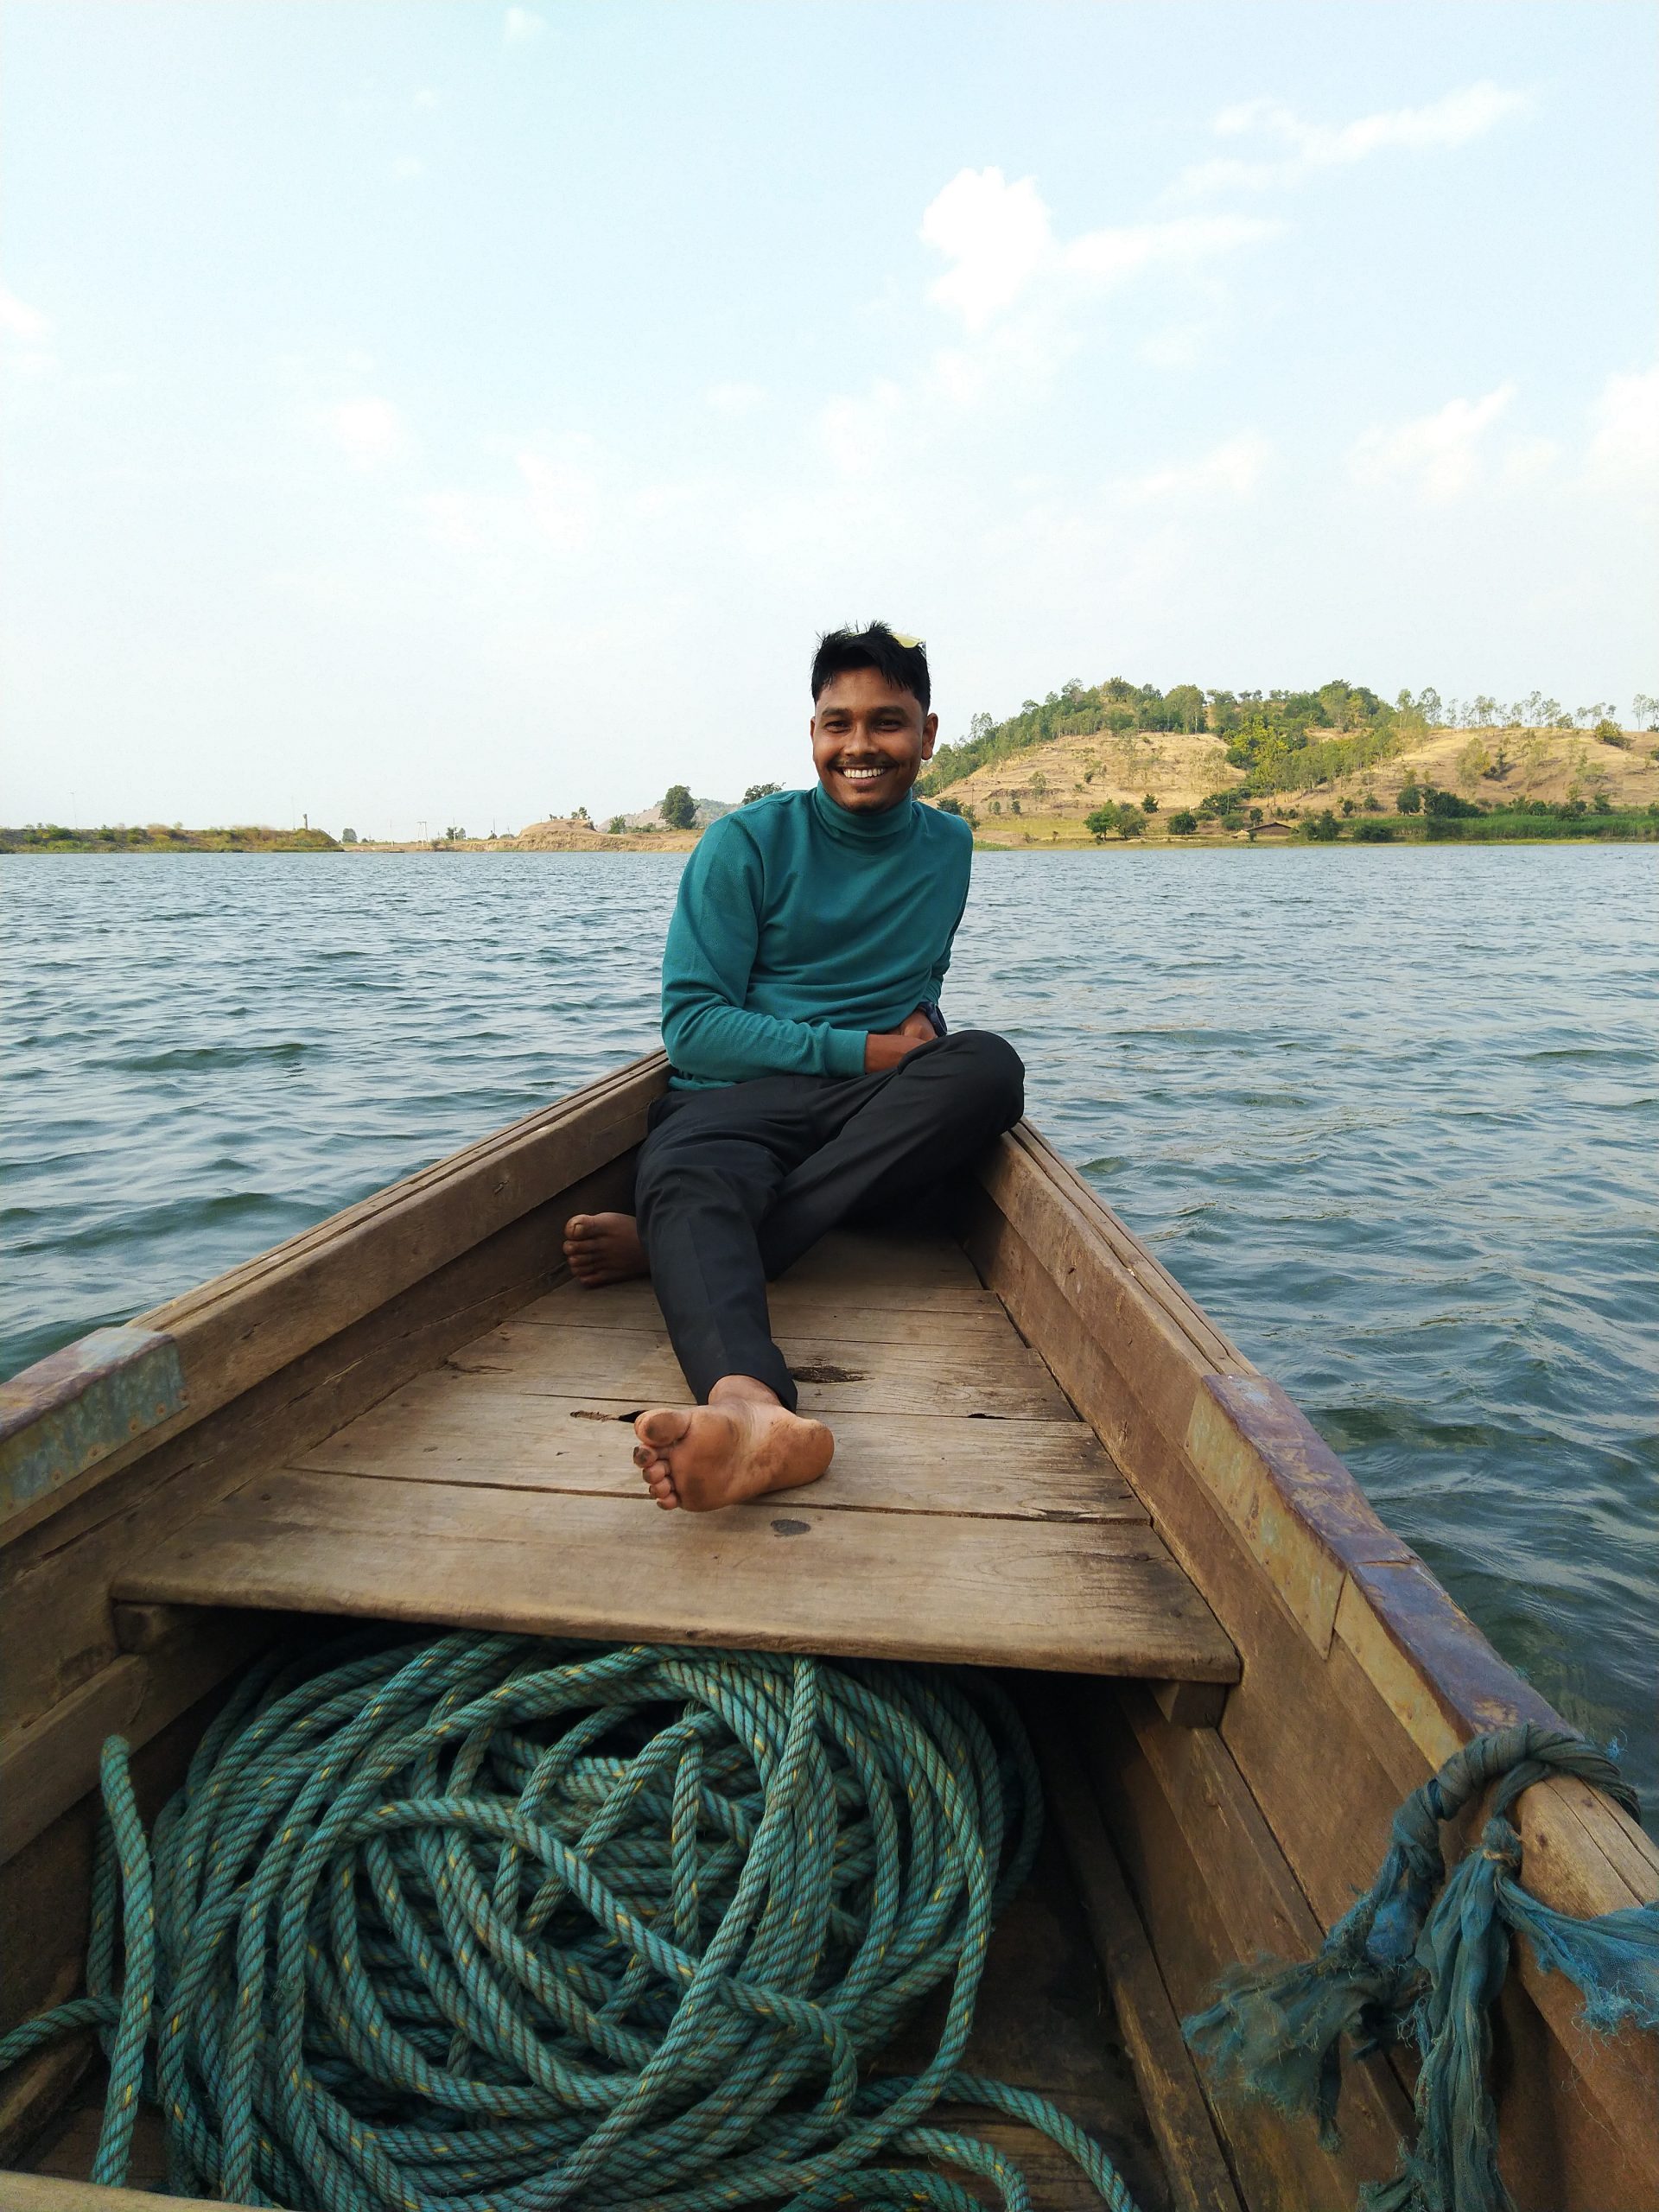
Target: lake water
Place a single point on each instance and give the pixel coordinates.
(1392, 1116)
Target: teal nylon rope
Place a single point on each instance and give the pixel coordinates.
(495, 1924)
(1420, 1960)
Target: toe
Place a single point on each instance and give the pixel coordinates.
(663, 1426)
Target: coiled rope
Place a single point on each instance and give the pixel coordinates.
(495, 1924)
(1406, 1965)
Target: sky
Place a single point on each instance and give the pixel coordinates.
(422, 413)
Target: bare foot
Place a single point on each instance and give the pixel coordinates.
(604, 1248)
(738, 1446)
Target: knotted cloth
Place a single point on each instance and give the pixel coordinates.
(497, 1924)
(1403, 1965)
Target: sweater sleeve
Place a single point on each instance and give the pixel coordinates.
(707, 962)
(942, 965)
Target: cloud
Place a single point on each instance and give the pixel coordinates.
(368, 431)
(1625, 428)
(564, 490)
(999, 240)
(1454, 120)
(555, 504)
(857, 432)
(735, 398)
(1529, 460)
(25, 335)
(425, 99)
(1232, 470)
(1438, 455)
(406, 167)
(521, 26)
(995, 236)
(20, 320)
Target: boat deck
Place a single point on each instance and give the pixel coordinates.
(969, 1514)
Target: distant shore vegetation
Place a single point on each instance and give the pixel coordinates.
(1423, 814)
(1282, 741)
(163, 838)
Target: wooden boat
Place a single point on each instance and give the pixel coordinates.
(1049, 1460)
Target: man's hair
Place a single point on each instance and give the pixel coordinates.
(903, 662)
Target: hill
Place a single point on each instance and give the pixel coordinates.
(1040, 793)
(575, 833)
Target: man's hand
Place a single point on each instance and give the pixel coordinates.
(885, 1048)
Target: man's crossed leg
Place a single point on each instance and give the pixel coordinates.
(733, 1185)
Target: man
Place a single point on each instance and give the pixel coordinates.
(811, 1080)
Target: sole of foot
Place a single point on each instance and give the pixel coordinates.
(701, 1457)
(604, 1248)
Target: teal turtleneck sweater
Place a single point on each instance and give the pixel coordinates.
(801, 927)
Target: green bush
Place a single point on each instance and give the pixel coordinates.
(1125, 821)
(1373, 833)
(1448, 806)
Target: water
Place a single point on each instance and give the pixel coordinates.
(1391, 1116)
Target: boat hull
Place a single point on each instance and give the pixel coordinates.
(1207, 1819)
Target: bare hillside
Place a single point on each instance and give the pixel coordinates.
(1041, 797)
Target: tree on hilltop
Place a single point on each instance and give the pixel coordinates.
(1184, 705)
(679, 809)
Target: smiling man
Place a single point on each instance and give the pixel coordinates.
(812, 1078)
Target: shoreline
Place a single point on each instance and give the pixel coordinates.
(1014, 852)
(1049, 847)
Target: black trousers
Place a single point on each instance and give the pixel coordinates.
(735, 1184)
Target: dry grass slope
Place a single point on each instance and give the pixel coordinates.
(1056, 785)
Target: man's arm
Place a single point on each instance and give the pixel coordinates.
(706, 966)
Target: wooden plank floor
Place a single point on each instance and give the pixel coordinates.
(968, 1514)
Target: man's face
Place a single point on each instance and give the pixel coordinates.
(869, 741)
